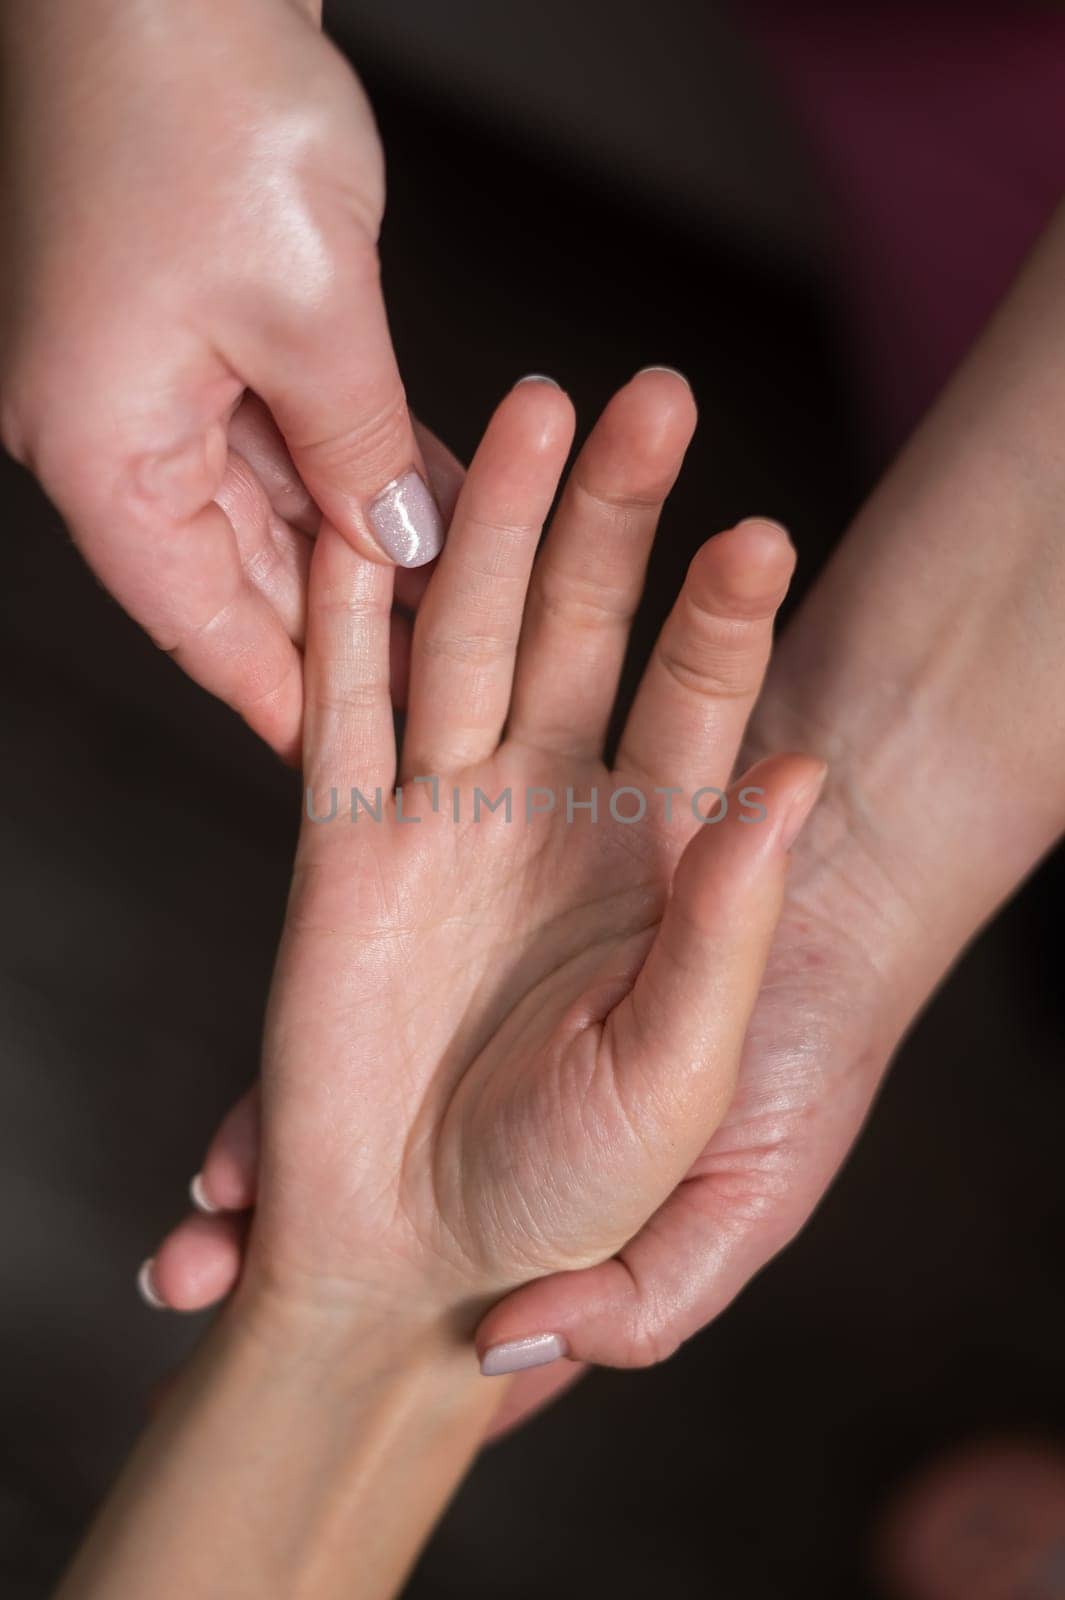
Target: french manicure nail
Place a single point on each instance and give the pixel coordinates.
(537, 377)
(199, 1198)
(407, 522)
(671, 370)
(801, 806)
(517, 1354)
(146, 1287)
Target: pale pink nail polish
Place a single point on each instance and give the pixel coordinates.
(406, 521)
(146, 1288)
(199, 1198)
(517, 1354)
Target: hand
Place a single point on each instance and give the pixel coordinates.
(194, 194)
(515, 1080)
(910, 850)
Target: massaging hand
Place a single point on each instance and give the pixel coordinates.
(193, 196)
(495, 1046)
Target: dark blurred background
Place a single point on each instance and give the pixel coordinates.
(809, 210)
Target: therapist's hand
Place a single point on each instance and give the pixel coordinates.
(193, 193)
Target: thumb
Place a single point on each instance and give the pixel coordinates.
(673, 1045)
(335, 392)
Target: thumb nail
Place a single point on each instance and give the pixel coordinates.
(517, 1354)
(406, 521)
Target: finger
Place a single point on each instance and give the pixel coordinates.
(349, 738)
(672, 1048)
(197, 1264)
(139, 498)
(680, 1271)
(228, 1178)
(130, 440)
(468, 625)
(275, 519)
(255, 437)
(183, 580)
(275, 556)
(589, 577)
(675, 1039)
(254, 434)
(707, 667)
(446, 475)
(332, 384)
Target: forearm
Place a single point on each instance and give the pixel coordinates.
(290, 1461)
(928, 666)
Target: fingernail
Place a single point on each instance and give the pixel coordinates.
(537, 377)
(199, 1198)
(801, 806)
(517, 1354)
(769, 522)
(406, 521)
(672, 370)
(146, 1287)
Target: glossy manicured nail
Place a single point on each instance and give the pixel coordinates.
(801, 806)
(517, 1354)
(146, 1288)
(407, 522)
(671, 370)
(537, 377)
(199, 1198)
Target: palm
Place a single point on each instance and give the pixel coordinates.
(494, 1095)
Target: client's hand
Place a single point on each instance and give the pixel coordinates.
(507, 1014)
(510, 1000)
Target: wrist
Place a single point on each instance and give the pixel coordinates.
(934, 809)
(352, 1340)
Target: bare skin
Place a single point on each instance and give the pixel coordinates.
(946, 753)
(947, 785)
(193, 196)
(492, 1048)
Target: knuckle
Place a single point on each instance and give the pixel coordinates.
(370, 442)
(719, 674)
(582, 604)
(473, 650)
(711, 654)
(624, 507)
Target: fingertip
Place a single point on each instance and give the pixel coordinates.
(657, 412)
(197, 1263)
(665, 393)
(746, 570)
(734, 867)
(199, 1196)
(542, 410)
(766, 538)
(518, 1355)
(781, 790)
(230, 1180)
(146, 1286)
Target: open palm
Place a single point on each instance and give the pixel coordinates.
(505, 1023)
